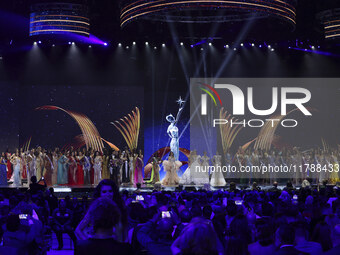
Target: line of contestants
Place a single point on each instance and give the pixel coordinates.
(71, 167)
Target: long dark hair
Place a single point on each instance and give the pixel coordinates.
(116, 196)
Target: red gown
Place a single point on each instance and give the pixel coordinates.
(72, 168)
(9, 168)
(80, 172)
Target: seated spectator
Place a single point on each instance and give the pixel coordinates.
(62, 223)
(156, 235)
(15, 235)
(336, 241)
(265, 239)
(185, 217)
(104, 215)
(284, 240)
(35, 187)
(301, 240)
(322, 235)
(197, 238)
(207, 212)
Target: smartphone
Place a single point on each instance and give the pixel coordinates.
(225, 201)
(166, 214)
(139, 198)
(238, 202)
(23, 216)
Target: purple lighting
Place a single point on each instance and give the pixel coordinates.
(324, 53)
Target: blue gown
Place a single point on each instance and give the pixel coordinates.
(3, 172)
(62, 177)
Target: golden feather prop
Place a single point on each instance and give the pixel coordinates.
(266, 135)
(90, 133)
(129, 127)
(228, 132)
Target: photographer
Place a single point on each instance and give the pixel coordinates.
(35, 187)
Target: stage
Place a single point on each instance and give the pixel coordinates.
(61, 191)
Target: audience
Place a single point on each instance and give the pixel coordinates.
(235, 221)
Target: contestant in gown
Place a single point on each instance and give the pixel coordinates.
(186, 177)
(138, 173)
(72, 169)
(17, 164)
(38, 164)
(205, 162)
(154, 176)
(171, 167)
(97, 166)
(217, 178)
(80, 170)
(62, 171)
(106, 170)
(132, 165)
(48, 169)
(199, 175)
(55, 168)
(3, 170)
(87, 169)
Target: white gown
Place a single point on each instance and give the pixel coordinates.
(199, 175)
(16, 172)
(217, 178)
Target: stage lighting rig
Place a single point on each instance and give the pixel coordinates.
(208, 11)
(59, 18)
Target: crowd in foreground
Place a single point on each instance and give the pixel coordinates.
(233, 221)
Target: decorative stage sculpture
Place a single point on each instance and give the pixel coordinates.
(173, 129)
(129, 128)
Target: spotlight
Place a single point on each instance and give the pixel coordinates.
(289, 47)
(163, 45)
(182, 44)
(53, 45)
(146, 43)
(227, 46)
(272, 49)
(72, 43)
(39, 42)
(210, 44)
(234, 48)
(134, 43)
(155, 48)
(318, 47)
(35, 43)
(260, 46)
(119, 45)
(105, 44)
(313, 47)
(69, 43)
(305, 49)
(201, 48)
(269, 46)
(127, 47)
(252, 44)
(90, 46)
(241, 44)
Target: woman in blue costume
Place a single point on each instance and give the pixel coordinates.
(62, 169)
(3, 170)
